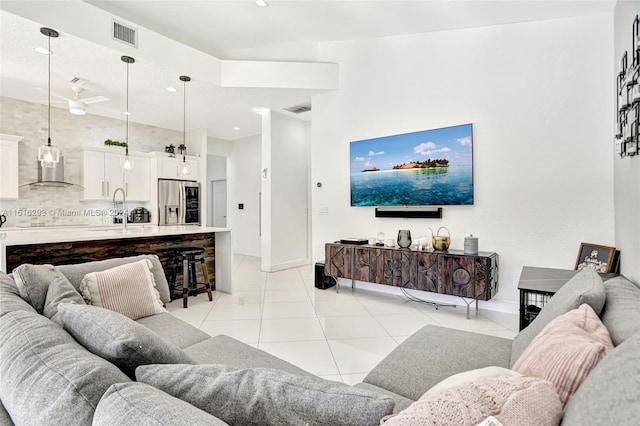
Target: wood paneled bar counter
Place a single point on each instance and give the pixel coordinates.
(66, 244)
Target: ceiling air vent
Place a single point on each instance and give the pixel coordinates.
(78, 81)
(299, 109)
(125, 34)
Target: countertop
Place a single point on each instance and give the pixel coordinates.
(56, 234)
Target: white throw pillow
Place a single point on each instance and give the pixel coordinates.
(128, 289)
(469, 376)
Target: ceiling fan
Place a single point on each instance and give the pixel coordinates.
(77, 105)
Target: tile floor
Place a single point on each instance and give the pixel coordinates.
(339, 336)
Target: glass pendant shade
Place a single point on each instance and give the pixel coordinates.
(48, 155)
(126, 162)
(183, 167)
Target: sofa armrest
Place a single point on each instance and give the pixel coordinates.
(434, 353)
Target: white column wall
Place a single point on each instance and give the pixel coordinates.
(243, 186)
(539, 95)
(289, 192)
(627, 170)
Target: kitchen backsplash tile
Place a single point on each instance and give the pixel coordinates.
(62, 206)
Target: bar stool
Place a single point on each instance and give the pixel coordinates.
(187, 257)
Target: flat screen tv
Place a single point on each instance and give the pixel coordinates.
(426, 168)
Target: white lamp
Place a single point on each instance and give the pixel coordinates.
(49, 155)
(77, 108)
(126, 162)
(183, 167)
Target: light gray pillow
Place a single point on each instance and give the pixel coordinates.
(585, 287)
(117, 338)
(33, 282)
(137, 404)
(60, 291)
(610, 393)
(47, 377)
(621, 312)
(75, 273)
(262, 396)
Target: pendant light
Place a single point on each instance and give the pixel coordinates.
(49, 155)
(183, 167)
(126, 162)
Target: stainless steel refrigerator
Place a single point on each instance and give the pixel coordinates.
(178, 202)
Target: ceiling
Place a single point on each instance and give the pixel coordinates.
(229, 29)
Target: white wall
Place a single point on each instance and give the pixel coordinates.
(627, 170)
(216, 170)
(539, 95)
(243, 186)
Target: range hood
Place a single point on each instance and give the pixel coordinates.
(53, 176)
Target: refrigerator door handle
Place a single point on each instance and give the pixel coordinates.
(182, 204)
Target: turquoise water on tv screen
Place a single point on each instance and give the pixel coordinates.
(451, 185)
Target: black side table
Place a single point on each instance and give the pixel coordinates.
(537, 285)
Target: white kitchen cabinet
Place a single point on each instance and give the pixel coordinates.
(168, 167)
(137, 182)
(9, 167)
(102, 175)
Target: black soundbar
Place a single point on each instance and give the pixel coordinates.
(410, 213)
(356, 241)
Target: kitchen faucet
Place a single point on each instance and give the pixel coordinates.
(124, 207)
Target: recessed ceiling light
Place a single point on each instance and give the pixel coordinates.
(262, 3)
(171, 89)
(42, 50)
(236, 128)
(127, 113)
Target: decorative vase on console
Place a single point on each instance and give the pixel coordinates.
(404, 238)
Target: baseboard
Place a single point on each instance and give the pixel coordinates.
(245, 253)
(283, 266)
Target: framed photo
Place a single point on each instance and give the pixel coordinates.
(596, 257)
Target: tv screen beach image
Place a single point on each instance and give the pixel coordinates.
(425, 168)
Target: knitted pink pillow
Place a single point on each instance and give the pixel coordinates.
(566, 350)
(512, 400)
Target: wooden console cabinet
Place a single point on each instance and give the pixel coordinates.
(452, 272)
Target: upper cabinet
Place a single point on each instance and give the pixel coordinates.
(168, 167)
(102, 175)
(9, 167)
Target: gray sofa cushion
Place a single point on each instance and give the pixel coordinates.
(585, 287)
(621, 314)
(60, 291)
(610, 395)
(229, 351)
(173, 329)
(118, 339)
(263, 396)
(33, 282)
(75, 273)
(10, 299)
(434, 353)
(134, 404)
(401, 401)
(46, 375)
